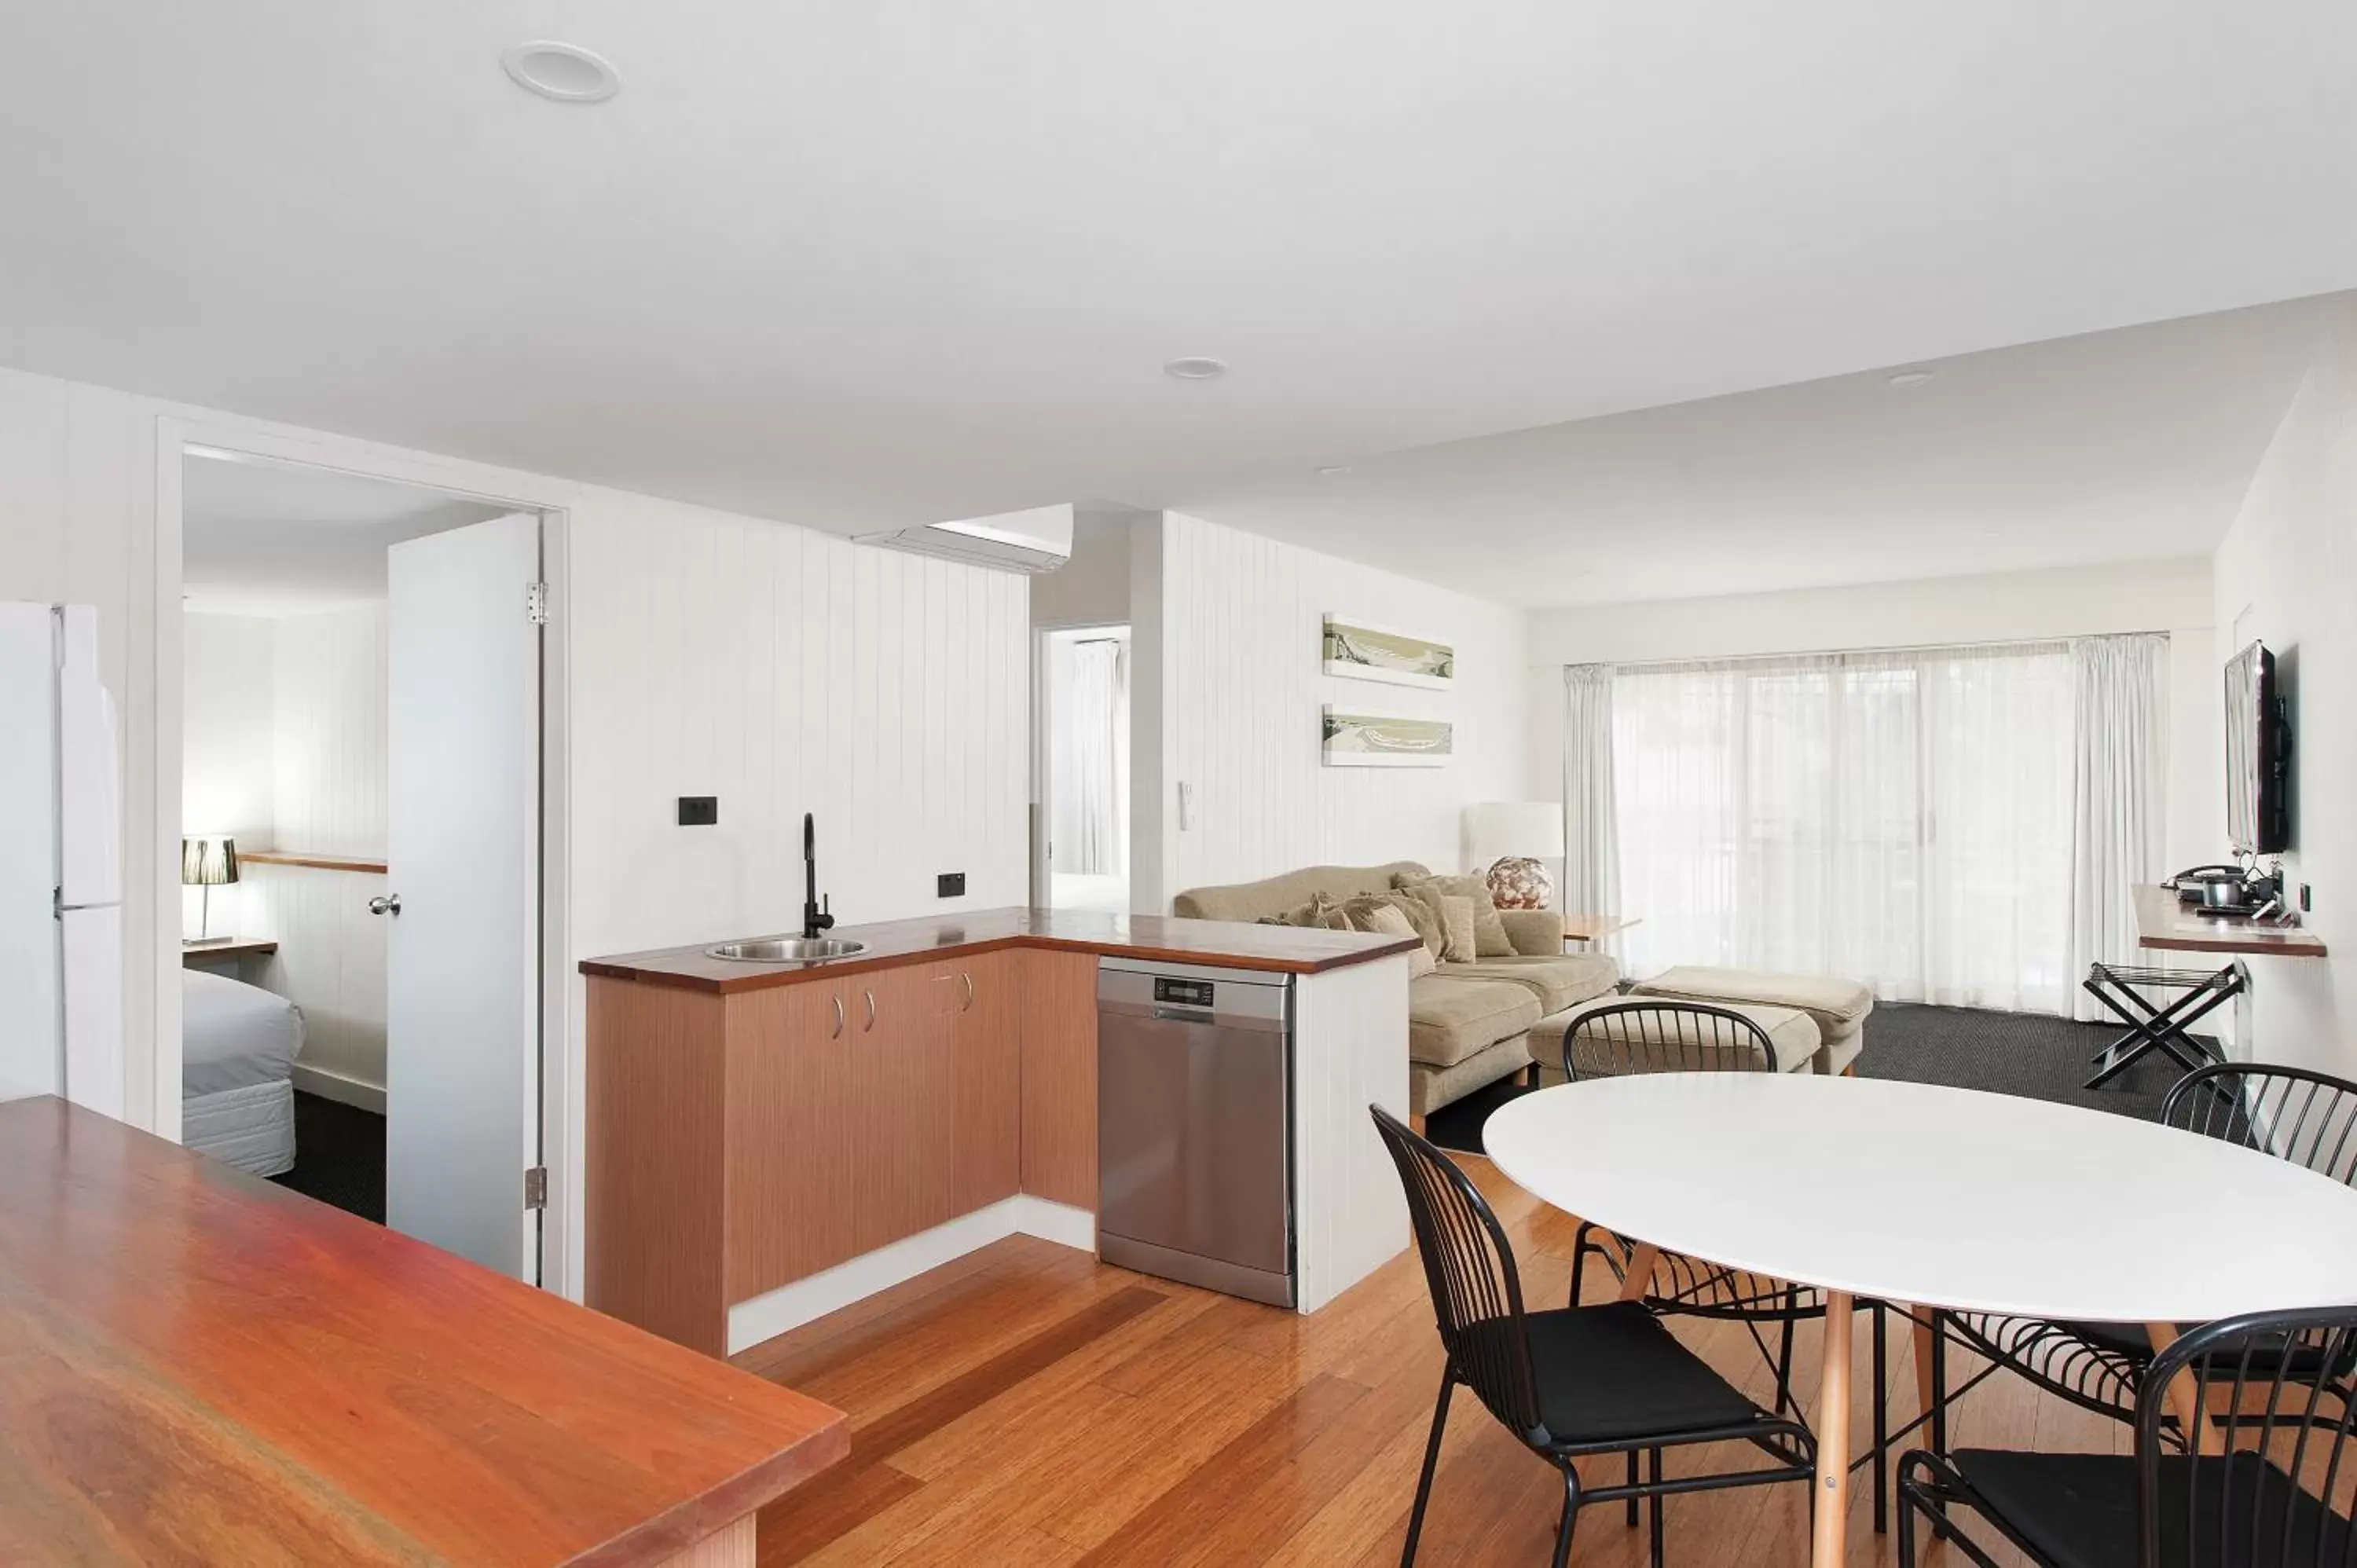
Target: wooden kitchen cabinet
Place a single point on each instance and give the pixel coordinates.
(793, 1154)
(985, 1082)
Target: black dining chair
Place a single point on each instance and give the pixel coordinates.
(1622, 1038)
(1566, 1383)
(2266, 1483)
(2307, 1117)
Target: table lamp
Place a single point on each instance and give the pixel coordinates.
(1515, 837)
(207, 862)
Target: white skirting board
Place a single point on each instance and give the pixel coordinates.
(335, 1086)
(1350, 1051)
(791, 1305)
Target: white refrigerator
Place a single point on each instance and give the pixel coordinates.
(61, 862)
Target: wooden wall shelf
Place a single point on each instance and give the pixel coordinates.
(2162, 922)
(318, 861)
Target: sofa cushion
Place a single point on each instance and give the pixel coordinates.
(1274, 896)
(1537, 933)
(1449, 1020)
(1490, 939)
(1558, 982)
(1418, 915)
(1838, 1004)
(1792, 1035)
(1388, 920)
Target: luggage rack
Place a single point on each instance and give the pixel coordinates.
(2164, 1027)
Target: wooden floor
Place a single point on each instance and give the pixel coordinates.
(1029, 1405)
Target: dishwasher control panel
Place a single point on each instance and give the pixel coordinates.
(1182, 993)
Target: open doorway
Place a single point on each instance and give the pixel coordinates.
(1085, 685)
(361, 820)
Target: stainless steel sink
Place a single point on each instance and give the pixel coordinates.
(787, 949)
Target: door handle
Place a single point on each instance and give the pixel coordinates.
(969, 992)
(388, 905)
(871, 1012)
(838, 1017)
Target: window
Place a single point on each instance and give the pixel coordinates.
(1904, 817)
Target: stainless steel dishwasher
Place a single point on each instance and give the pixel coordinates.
(1195, 1125)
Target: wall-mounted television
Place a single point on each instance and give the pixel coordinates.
(2258, 756)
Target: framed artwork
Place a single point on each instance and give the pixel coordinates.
(1368, 740)
(1362, 652)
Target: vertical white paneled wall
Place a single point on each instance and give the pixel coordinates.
(784, 671)
(226, 723)
(327, 756)
(332, 963)
(1241, 670)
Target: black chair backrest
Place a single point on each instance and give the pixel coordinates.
(1624, 1037)
(1477, 1294)
(2309, 1118)
(2271, 1484)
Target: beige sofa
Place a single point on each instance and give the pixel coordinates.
(1469, 1024)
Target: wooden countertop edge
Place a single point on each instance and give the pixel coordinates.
(761, 977)
(2287, 945)
(663, 1537)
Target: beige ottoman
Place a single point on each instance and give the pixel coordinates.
(1839, 1006)
(1792, 1035)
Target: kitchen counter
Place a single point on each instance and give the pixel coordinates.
(207, 1367)
(768, 1143)
(1290, 950)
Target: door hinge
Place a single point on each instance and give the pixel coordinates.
(535, 602)
(535, 1187)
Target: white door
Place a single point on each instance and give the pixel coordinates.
(462, 1015)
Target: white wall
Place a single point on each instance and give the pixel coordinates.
(327, 756)
(1239, 680)
(2287, 575)
(2174, 596)
(705, 653)
(1093, 588)
(225, 783)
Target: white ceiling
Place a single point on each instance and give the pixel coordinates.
(2136, 444)
(263, 540)
(854, 263)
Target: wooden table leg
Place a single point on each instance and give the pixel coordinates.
(728, 1547)
(1640, 1278)
(2184, 1399)
(1833, 1437)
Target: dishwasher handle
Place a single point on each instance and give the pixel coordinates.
(1183, 1016)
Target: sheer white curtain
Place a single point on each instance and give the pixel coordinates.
(1090, 740)
(1591, 869)
(2116, 840)
(1903, 818)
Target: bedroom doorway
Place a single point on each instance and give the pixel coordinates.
(361, 810)
(1084, 718)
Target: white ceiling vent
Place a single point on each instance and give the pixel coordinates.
(1040, 540)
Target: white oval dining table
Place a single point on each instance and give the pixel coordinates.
(1932, 1197)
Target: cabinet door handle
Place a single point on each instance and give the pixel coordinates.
(871, 1012)
(969, 992)
(838, 1017)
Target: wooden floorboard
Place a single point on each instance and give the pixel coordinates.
(1029, 1405)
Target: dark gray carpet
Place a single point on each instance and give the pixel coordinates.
(339, 1155)
(2031, 1054)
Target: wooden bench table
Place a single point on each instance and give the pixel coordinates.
(199, 1366)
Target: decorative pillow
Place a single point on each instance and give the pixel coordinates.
(1458, 914)
(1490, 939)
(1424, 920)
(1390, 920)
(1320, 911)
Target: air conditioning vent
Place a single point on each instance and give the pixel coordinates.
(1040, 540)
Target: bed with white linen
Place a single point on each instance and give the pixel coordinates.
(237, 1060)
